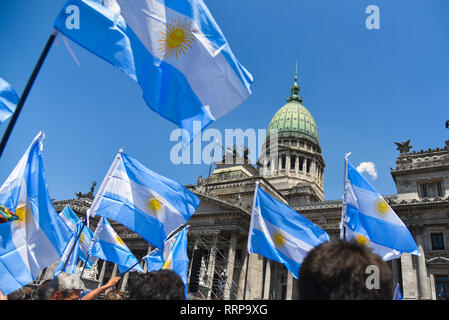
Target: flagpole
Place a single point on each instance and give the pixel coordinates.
(343, 214)
(246, 276)
(25, 93)
(91, 246)
(74, 244)
(249, 238)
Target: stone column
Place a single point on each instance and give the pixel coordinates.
(423, 282)
(255, 276)
(244, 259)
(267, 286)
(211, 264)
(114, 271)
(103, 269)
(230, 266)
(409, 281)
(289, 293)
(124, 282)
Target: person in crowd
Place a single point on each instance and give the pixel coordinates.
(342, 270)
(24, 293)
(67, 286)
(157, 285)
(115, 294)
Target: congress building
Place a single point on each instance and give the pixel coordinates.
(294, 175)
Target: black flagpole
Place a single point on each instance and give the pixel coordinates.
(246, 276)
(25, 93)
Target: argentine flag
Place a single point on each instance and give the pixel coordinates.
(172, 257)
(70, 256)
(174, 49)
(279, 233)
(38, 238)
(145, 202)
(71, 220)
(369, 219)
(8, 100)
(107, 245)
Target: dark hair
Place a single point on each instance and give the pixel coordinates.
(24, 293)
(157, 285)
(114, 294)
(338, 270)
(42, 292)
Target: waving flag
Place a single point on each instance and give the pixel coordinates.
(38, 238)
(145, 202)
(173, 49)
(280, 233)
(172, 257)
(71, 220)
(71, 253)
(8, 100)
(110, 247)
(369, 219)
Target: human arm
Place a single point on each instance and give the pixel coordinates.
(92, 295)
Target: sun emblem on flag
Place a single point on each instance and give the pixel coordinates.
(119, 240)
(279, 239)
(361, 239)
(155, 205)
(381, 206)
(177, 38)
(21, 213)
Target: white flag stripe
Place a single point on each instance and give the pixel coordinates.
(29, 238)
(119, 183)
(293, 247)
(367, 202)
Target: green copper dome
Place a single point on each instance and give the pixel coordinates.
(294, 120)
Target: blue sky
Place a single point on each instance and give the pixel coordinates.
(365, 88)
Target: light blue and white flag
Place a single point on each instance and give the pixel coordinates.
(172, 257)
(281, 234)
(71, 253)
(107, 245)
(370, 220)
(173, 49)
(145, 202)
(397, 293)
(39, 237)
(8, 100)
(71, 220)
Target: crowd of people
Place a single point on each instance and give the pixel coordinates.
(331, 271)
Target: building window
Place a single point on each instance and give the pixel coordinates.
(308, 163)
(437, 241)
(439, 189)
(283, 160)
(431, 189)
(301, 164)
(442, 287)
(424, 193)
(292, 162)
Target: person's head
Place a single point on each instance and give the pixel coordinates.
(157, 285)
(24, 293)
(114, 294)
(65, 286)
(341, 270)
